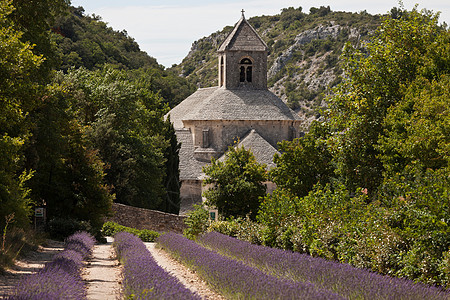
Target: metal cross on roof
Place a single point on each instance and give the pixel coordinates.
(243, 13)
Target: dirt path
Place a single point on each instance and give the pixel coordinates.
(186, 276)
(28, 265)
(103, 274)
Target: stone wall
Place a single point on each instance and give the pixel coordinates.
(142, 218)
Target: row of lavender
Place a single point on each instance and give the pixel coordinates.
(60, 278)
(236, 280)
(343, 279)
(143, 278)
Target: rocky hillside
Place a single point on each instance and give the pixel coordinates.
(304, 50)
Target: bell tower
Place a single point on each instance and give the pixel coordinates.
(243, 59)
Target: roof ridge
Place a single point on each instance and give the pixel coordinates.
(234, 33)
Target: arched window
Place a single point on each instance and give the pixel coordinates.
(242, 74)
(245, 70)
(222, 75)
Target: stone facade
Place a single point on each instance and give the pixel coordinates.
(239, 110)
(142, 218)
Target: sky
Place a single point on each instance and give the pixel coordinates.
(166, 29)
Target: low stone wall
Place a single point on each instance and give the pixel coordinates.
(142, 218)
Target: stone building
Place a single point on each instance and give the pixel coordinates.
(240, 108)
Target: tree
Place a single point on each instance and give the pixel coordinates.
(236, 183)
(69, 175)
(172, 177)
(304, 162)
(125, 123)
(376, 79)
(18, 96)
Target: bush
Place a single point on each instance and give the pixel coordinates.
(197, 222)
(111, 228)
(61, 228)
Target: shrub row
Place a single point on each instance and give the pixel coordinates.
(235, 279)
(60, 278)
(111, 228)
(143, 278)
(345, 280)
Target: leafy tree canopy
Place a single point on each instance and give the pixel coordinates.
(237, 183)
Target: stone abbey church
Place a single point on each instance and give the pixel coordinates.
(240, 108)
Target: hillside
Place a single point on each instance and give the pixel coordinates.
(87, 41)
(304, 50)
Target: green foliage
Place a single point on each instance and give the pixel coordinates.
(197, 222)
(385, 207)
(397, 55)
(417, 128)
(69, 174)
(241, 228)
(34, 19)
(61, 227)
(304, 161)
(417, 209)
(124, 121)
(111, 228)
(18, 96)
(236, 183)
(86, 41)
(172, 177)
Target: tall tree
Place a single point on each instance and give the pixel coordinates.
(376, 78)
(125, 122)
(69, 175)
(18, 96)
(172, 178)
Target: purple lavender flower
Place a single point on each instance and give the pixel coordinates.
(143, 277)
(60, 278)
(235, 279)
(348, 281)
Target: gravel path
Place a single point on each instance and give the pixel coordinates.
(103, 274)
(30, 264)
(186, 276)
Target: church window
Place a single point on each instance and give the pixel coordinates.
(205, 140)
(246, 70)
(249, 74)
(222, 75)
(242, 74)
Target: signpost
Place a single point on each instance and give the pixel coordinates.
(39, 217)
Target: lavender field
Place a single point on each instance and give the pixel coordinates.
(143, 278)
(233, 268)
(240, 270)
(60, 278)
(345, 280)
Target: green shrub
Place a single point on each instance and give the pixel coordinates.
(229, 228)
(60, 228)
(197, 222)
(111, 228)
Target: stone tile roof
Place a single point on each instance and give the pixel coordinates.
(224, 104)
(261, 148)
(190, 168)
(243, 38)
(189, 104)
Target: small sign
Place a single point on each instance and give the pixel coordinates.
(39, 212)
